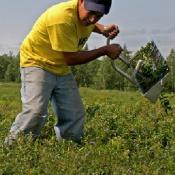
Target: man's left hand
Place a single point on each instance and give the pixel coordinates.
(111, 31)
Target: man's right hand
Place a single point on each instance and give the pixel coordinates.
(113, 51)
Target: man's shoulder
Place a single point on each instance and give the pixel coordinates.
(63, 10)
(71, 4)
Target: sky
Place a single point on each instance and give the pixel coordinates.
(139, 22)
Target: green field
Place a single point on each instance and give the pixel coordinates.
(124, 134)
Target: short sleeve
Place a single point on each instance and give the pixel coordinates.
(63, 37)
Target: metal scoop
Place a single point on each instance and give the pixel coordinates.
(154, 91)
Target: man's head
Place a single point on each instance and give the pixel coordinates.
(102, 6)
(90, 11)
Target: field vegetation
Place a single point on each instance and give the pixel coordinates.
(124, 134)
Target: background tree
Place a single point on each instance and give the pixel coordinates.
(4, 62)
(170, 85)
(84, 73)
(127, 55)
(9, 67)
(106, 77)
(13, 72)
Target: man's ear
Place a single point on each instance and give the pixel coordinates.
(80, 5)
(81, 2)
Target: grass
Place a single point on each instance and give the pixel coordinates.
(124, 134)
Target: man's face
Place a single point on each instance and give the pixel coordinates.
(87, 17)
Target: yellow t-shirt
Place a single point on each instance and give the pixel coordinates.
(57, 30)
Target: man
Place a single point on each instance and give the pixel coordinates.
(54, 44)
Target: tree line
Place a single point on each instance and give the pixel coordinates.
(9, 68)
(97, 74)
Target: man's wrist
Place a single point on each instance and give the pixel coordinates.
(100, 28)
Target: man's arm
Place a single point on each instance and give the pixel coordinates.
(99, 28)
(82, 57)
